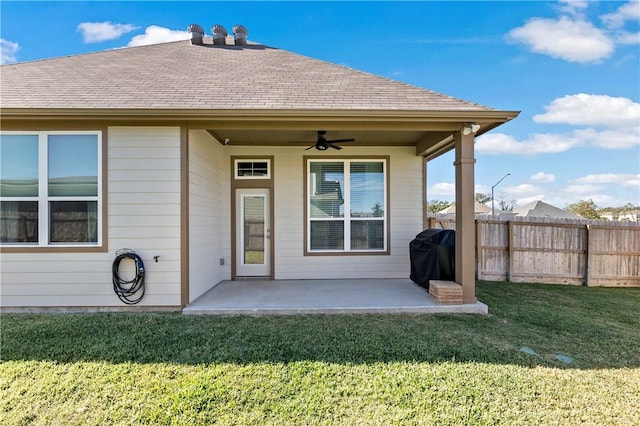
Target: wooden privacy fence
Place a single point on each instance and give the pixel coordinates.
(554, 251)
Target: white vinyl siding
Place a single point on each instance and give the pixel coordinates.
(209, 214)
(404, 215)
(143, 214)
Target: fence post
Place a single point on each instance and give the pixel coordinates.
(478, 249)
(587, 268)
(510, 250)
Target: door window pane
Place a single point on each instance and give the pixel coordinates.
(73, 221)
(73, 165)
(254, 230)
(19, 165)
(19, 221)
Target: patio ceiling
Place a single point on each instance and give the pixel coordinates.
(308, 137)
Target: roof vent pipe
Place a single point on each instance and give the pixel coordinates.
(240, 35)
(196, 33)
(219, 35)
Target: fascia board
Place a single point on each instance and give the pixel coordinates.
(257, 115)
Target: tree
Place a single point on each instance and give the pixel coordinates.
(584, 208)
(377, 210)
(506, 206)
(482, 198)
(434, 206)
(617, 212)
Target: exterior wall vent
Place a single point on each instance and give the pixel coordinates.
(240, 35)
(196, 33)
(219, 35)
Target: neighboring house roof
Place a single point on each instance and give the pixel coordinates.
(478, 209)
(179, 75)
(541, 209)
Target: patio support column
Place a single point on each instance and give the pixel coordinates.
(465, 216)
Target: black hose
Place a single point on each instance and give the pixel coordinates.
(127, 290)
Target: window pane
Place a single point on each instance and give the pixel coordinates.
(367, 189)
(19, 222)
(253, 208)
(73, 165)
(327, 235)
(19, 165)
(367, 235)
(326, 187)
(253, 168)
(73, 221)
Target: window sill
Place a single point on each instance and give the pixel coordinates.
(53, 249)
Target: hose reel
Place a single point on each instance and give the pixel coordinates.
(128, 291)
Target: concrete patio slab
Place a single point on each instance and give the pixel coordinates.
(287, 297)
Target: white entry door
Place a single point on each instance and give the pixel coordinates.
(253, 233)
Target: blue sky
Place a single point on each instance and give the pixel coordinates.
(571, 67)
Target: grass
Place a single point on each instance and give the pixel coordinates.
(342, 369)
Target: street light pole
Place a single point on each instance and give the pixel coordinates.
(493, 209)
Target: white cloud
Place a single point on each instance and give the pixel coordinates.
(155, 34)
(591, 110)
(583, 189)
(624, 37)
(543, 177)
(626, 180)
(622, 138)
(627, 12)
(523, 189)
(620, 117)
(500, 143)
(442, 189)
(573, 7)
(550, 143)
(96, 32)
(564, 38)
(8, 50)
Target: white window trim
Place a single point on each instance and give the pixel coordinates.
(43, 198)
(347, 219)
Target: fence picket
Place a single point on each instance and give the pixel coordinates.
(554, 251)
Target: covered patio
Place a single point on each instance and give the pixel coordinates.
(344, 296)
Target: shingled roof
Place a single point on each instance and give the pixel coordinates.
(179, 75)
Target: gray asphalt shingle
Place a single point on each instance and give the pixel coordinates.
(179, 75)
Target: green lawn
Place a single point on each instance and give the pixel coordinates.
(343, 369)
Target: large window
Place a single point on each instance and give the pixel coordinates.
(50, 188)
(346, 205)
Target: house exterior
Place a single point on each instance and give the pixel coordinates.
(629, 215)
(539, 208)
(199, 156)
(478, 209)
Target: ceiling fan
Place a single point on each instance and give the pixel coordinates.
(322, 144)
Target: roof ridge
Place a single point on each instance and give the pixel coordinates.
(97, 52)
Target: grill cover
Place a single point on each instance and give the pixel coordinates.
(432, 254)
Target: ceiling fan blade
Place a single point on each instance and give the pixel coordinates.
(341, 140)
(312, 146)
(333, 146)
